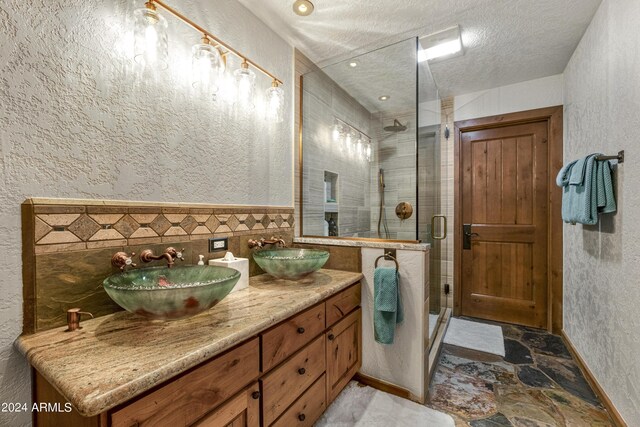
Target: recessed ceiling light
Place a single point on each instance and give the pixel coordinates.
(353, 64)
(443, 44)
(384, 98)
(303, 7)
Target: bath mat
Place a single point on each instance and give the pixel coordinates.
(476, 336)
(367, 407)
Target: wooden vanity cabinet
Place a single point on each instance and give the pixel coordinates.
(344, 353)
(286, 376)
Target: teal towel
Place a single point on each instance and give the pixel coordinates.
(387, 305)
(587, 189)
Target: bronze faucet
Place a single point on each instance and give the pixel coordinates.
(275, 240)
(170, 254)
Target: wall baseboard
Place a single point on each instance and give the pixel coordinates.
(383, 386)
(595, 385)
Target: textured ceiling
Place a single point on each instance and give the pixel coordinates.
(506, 41)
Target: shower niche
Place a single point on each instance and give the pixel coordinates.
(331, 205)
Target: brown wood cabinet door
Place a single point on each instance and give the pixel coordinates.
(243, 410)
(505, 202)
(344, 353)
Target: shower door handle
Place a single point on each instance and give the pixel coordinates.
(444, 227)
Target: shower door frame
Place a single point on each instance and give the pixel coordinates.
(554, 118)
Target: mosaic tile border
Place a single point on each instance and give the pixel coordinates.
(69, 225)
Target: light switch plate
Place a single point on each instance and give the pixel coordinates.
(217, 245)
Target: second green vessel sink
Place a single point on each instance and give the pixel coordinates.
(290, 263)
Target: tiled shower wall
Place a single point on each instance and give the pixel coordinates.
(396, 155)
(68, 244)
(323, 101)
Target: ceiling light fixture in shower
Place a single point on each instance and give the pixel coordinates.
(441, 45)
(303, 7)
(353, 64)
(384, 98)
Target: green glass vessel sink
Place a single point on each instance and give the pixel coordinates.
(290, 263)
(162, 293)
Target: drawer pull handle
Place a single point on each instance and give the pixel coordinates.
(302, 417)
(331, 337)
(301, 330)
(255, 395)
(302, 371)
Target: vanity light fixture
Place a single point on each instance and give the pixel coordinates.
(275, 103)
(207, 65)
(151, 48)
(303, 7)
(356, 142)
(384, 98)
(245, 79)
(208, 59)
(441, 45)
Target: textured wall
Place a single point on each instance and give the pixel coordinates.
(74, 124)
(528, 95)
(602, 263)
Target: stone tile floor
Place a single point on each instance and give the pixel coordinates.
(537, 383)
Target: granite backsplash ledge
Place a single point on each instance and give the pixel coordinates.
(68, 244)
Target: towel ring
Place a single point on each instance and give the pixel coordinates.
(387, 257)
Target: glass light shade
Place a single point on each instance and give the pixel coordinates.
(207, 67)
(275, 104)
(337, 130)
(368, 152)
(151, 43)
(359, 151)
(245, 81)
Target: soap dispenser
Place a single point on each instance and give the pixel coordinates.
(201, 262)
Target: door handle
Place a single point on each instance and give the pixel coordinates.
(468, 234)
(444, 227)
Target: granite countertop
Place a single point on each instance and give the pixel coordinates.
(391, 244)
(117, 357)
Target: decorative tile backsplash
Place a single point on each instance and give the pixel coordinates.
(61, 227)
(67, 245)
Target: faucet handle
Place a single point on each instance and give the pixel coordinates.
(255, 243)
(121, 260)
(175, 254)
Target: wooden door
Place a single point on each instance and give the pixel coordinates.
(243, 410)
(344, 353)
(504, 182)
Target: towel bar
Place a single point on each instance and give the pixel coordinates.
(619, 157)
(389, 257)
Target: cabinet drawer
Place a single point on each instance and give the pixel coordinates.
(343, 303)
(285, 384)
(290, 336)
(189, 397)
(307, 409)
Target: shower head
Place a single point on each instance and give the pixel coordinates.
(396, 127)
